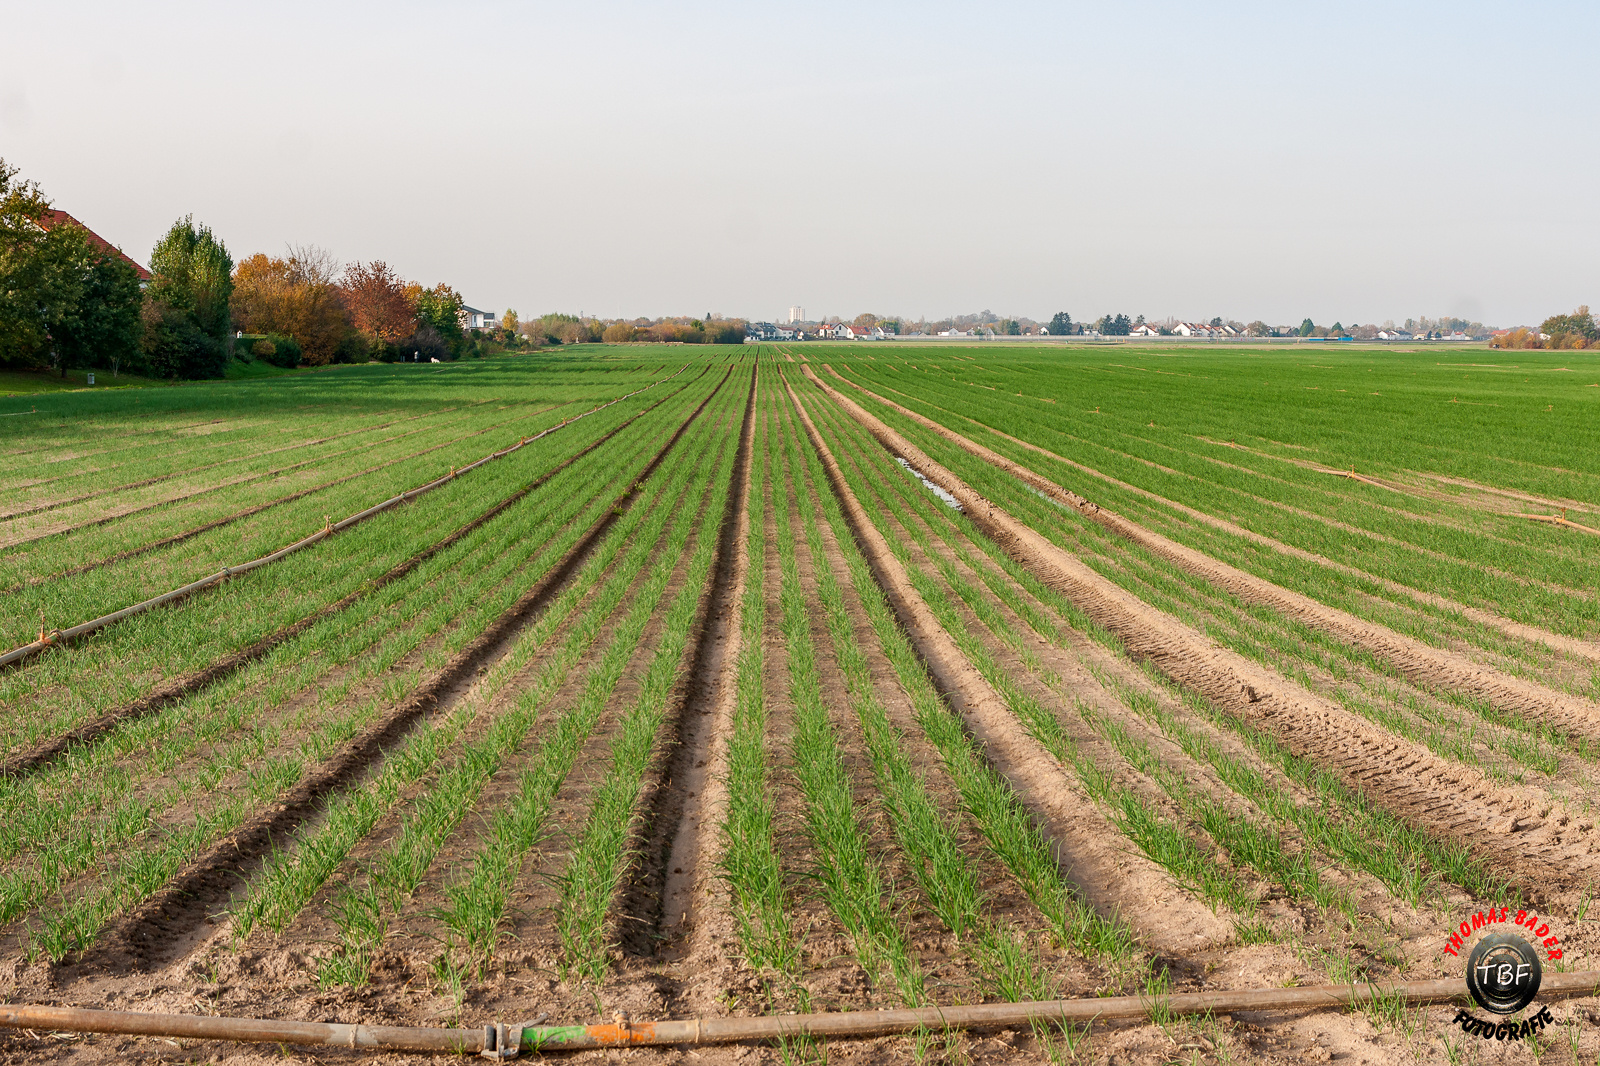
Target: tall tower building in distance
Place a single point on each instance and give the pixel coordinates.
(797, 314)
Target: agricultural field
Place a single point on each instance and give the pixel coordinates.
(652, 682)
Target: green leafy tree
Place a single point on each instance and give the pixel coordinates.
(106, 331)
(1579, 324)
(186, 314)
(1060, 324)
(193, 274)
(439, 309)
(40, 276)
(1307, 328)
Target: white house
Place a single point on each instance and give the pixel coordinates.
(1393, 335)
(472, 318)
(1144, 331)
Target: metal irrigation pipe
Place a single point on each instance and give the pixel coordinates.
(57, 636)
(507, 1041)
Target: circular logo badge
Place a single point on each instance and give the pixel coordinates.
(1503, 973)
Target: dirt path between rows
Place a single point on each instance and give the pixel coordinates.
(1548, 851)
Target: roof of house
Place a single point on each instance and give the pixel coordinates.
(53, 218)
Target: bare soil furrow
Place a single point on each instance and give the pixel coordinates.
(674, 871)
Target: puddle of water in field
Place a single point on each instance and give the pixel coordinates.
(1047, 499)
(949, 500)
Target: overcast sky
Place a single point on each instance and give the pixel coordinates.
(1354, 161)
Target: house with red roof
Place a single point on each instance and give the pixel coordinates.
(53, 218)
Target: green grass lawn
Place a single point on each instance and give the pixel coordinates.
(31, 382)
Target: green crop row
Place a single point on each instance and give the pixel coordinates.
(1341, 822)
(474, 596)
(77, 682)
(1487, 566)
(476, 903)
(289, 883)
(596, 865)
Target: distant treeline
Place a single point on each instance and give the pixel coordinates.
(68, 301)
(1577, 330)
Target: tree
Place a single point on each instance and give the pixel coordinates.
(296, 296)
(193, 274)
(1307, 328)
(1060, 324)
(1216, 322)
(508, 321)
(864, 322)
(439, 309)
(1114, 325)
(186, 311)
(726, 332)
(618, 333)
(375, 298)
(1258, 328)
(106, 329)
(40, 280)
(1577, 330)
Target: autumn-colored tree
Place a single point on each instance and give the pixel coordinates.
(376, 299)
(1577, 330)
(864, 322)
(618, 333)
(295, 296)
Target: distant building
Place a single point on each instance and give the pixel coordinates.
(53, 218)
(797, 314)
(1144, 331)
(1393, 335)
(472, 318)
